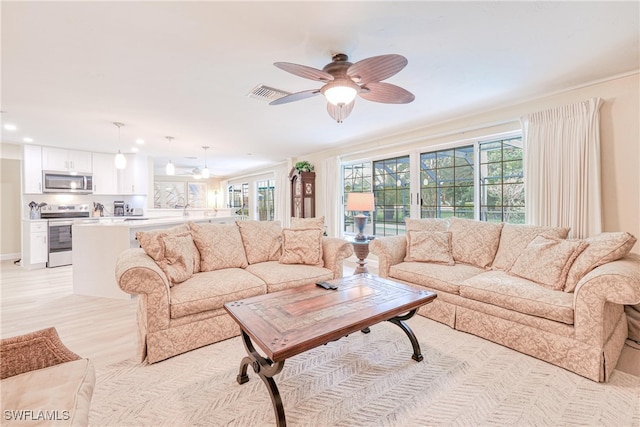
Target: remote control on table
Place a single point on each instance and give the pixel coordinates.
(327, 286)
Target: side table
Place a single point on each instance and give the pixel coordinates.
(361, 250)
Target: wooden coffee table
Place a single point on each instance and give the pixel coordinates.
(286, 323)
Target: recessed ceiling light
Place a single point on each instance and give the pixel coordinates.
(139, 141)
(27, 139)
(135, 149)
(10, 127)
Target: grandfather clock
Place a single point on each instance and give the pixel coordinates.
(303, 194)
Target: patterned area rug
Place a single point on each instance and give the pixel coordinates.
(366, 380)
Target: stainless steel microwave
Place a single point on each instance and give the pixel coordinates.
(67, 182)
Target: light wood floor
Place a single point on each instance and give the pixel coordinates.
(103, 329)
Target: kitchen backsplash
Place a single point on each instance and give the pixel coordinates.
(89, 199)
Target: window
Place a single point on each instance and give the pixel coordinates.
(238, 198)
(392, 193)
(356, 178)
(266, 202)
(502, 181)
(483, 180)
(447, 183)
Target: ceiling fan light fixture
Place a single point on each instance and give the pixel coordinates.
(170, 168)
(340, 91)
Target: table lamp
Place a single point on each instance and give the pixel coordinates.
(360, 202)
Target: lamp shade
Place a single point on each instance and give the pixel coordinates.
(340, 91)
(170, 168)
(120, 161)
(360, 202)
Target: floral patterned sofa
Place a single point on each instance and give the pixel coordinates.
(525, 287)
(184, 275)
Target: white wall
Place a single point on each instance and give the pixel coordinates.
(620, 143)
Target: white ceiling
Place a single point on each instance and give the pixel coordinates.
(70, 69)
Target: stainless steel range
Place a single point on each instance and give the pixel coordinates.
(61, 219)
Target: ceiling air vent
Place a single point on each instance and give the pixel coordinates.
(267, 93)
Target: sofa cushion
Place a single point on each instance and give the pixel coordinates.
(284, 276)
(151, 241)
(179, 257)
(524, 296)
(308, 222)
(220, 246)
(474, 242)
(426, 224)
(440, 277)
(261, 240)
(302, 246)
(62, 391)
(546, 261)
(212, 289)
(429, 246)
(603, 248)
(515, 238)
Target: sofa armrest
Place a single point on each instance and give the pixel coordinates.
(32, 351)
(334, 252)
(617, 282)
(138, 274)
(390, 251)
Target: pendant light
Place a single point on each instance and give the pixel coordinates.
(170, 168)
(120, 160)
(205, 171)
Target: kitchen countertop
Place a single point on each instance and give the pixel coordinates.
(143, 222)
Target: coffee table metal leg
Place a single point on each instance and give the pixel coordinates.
(399, 321)
(265, 369)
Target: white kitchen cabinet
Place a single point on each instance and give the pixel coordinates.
(105, 175)
(32, 169)
(133, 179)
(35, 249)
(59, 159)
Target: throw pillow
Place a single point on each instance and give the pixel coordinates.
(302, 246)
(261, 240)
(429, 246)
(297, 223)
(426, 224)
(474, 242)
(179, 258)
(220, 246)
(546, 261)
(603, 248)
(515, 237)
(151, 241)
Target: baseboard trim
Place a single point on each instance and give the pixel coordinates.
(8, 257)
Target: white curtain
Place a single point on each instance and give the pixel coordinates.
(281, 197)
(562, 168)
(330, 190)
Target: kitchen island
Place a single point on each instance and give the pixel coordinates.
(97, 244)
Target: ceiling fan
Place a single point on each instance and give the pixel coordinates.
(344, 80)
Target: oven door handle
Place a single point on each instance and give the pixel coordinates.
(60, 223)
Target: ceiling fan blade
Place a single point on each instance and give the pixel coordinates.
(386, 93)
(376, 68)
(341, 111)
(304, 71)
(295, 97)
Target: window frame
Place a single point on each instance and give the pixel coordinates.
(415, 177)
